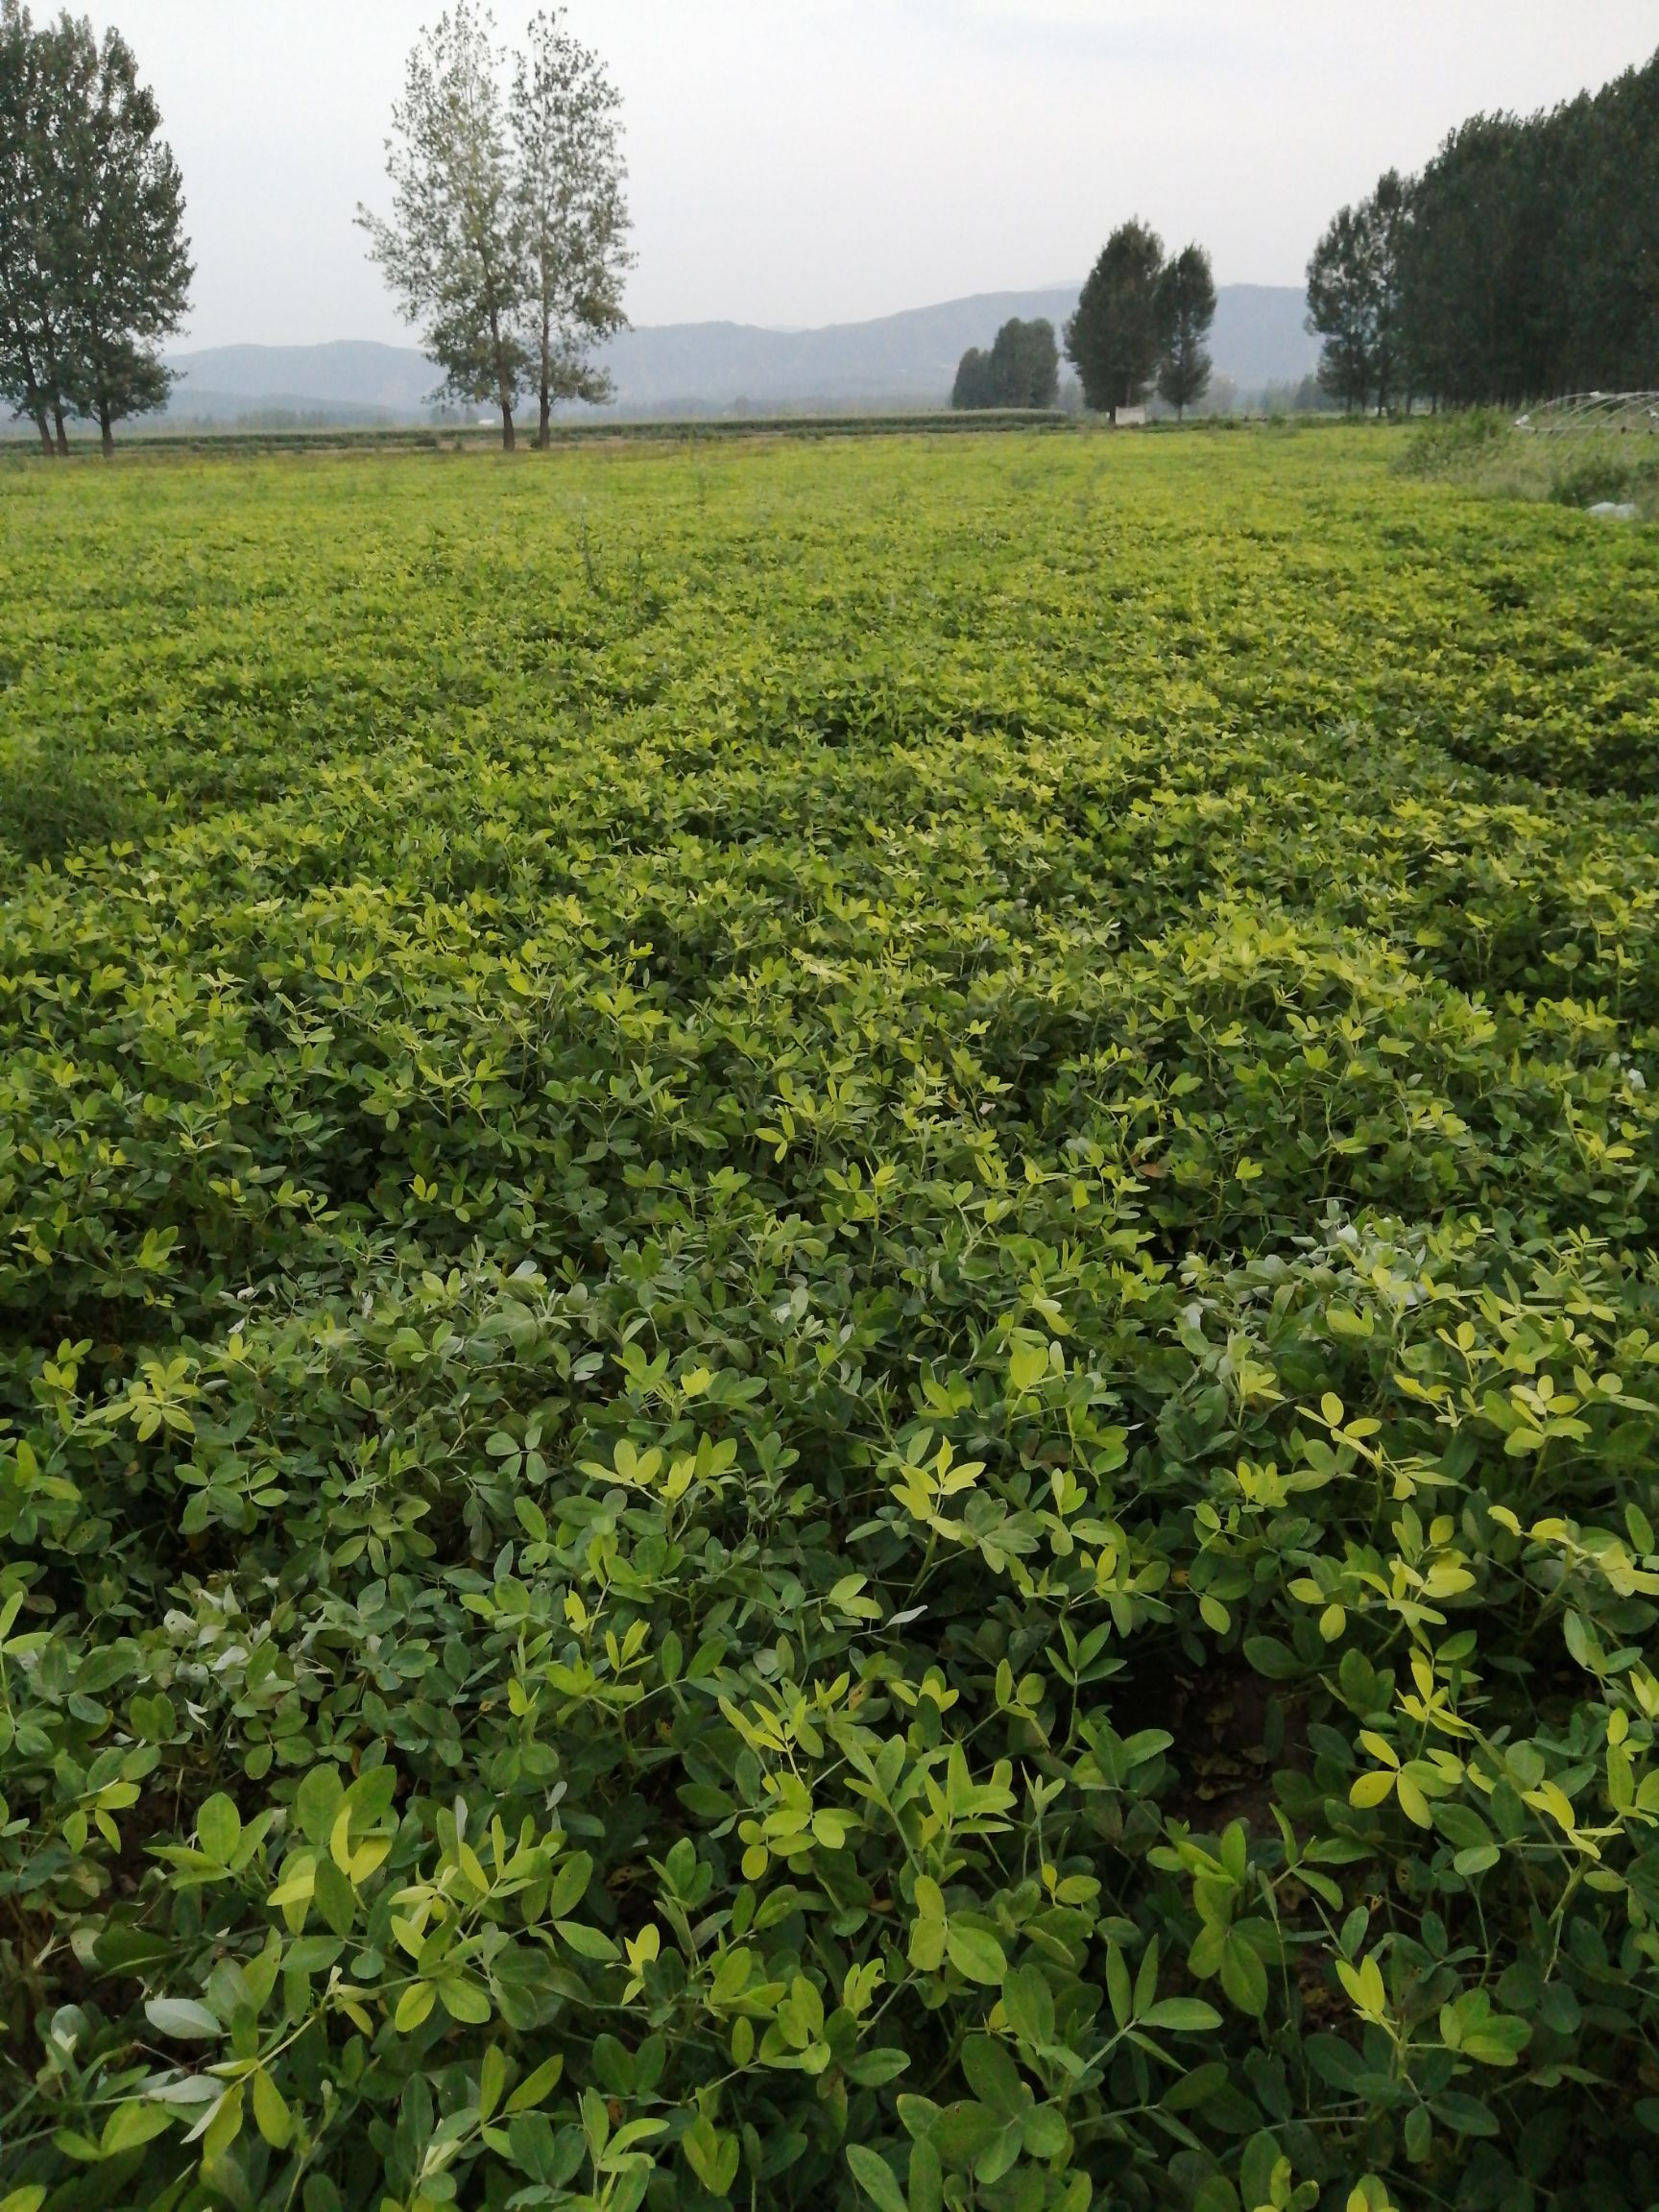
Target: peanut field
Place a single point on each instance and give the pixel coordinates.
(829, 1333)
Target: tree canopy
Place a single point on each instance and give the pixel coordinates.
(1522, 262)
(1185, 303)
(572, 212)
(1354, 298)
(506, 245)
(1115, 340)
(1532, 264)
(1144, 324)
(1021, 369)
(452, 248)
(94, 264)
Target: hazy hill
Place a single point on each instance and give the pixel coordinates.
(351, 373)
(908, 358)
(1259, 339)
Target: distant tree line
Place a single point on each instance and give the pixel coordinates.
(507, 241)
(94, 265)
(1021, 369)
(1522, 262)
(1142, 325)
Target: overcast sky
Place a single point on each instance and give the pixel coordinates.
(796, 162)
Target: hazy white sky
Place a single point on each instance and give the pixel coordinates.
(803, 161)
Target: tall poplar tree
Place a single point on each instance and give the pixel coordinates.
(572, 212)
(506, 239)
(94, 264)
(453, 249)
(34, 357)
(1387, 218)
(1186, 311)
(1342, 309)
(1114, 339)
(126, 262)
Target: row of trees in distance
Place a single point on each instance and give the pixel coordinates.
(507, 242)
(94, 264)
(1523, 262)
(1142, 325)
(1021, 370)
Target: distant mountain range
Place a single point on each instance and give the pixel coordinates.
(901, 360)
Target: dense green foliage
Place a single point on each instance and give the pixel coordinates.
(1115, 341)
(1354, 278)
(507, 242)
(1531, 259)
(1143, 323)
(829, 1367)
(1520, 265)
(94, 265)
(1021, 369)
(1186, 312)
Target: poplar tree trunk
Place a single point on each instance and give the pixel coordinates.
(44, 428)
(105, 429)
(545, 432)
(503, 387)
(62, 434)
